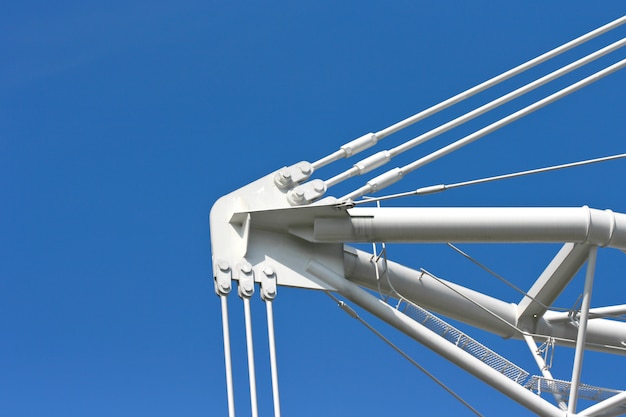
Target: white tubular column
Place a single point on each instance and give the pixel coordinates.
(432, 341)
(222, 289)
(246, 289)
(268, 293)
(582, 330)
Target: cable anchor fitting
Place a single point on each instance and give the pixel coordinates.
(268, 284)
(359, 144)
(246, 280)
(223, 278)
(306, 193)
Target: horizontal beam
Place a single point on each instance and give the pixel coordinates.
(474, 224)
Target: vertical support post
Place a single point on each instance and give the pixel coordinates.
(246, 289)
(582, 330)
(222, 289)
(268, 293)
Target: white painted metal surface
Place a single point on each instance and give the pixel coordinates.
(280, 231)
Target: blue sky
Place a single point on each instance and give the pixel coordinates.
(122, 122)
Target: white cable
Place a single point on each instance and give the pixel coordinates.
(504, 76)
(443, 187)
(485, 309)
(227, 357)
(507, 97)
(384, 157)
(515, 116)
(273, 364)
(395, 175)
(345, 307)
(475, 90)
(249, 344)
(495, 274)
(476, 303)
(535, 171)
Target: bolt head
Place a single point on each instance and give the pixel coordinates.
(246, 268)
(318, 186)
(268, 271)
(223, 265)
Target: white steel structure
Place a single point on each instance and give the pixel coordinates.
(286, 230)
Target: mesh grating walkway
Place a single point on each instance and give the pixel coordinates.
(463, 341)
(534, 383)
(588, 392)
